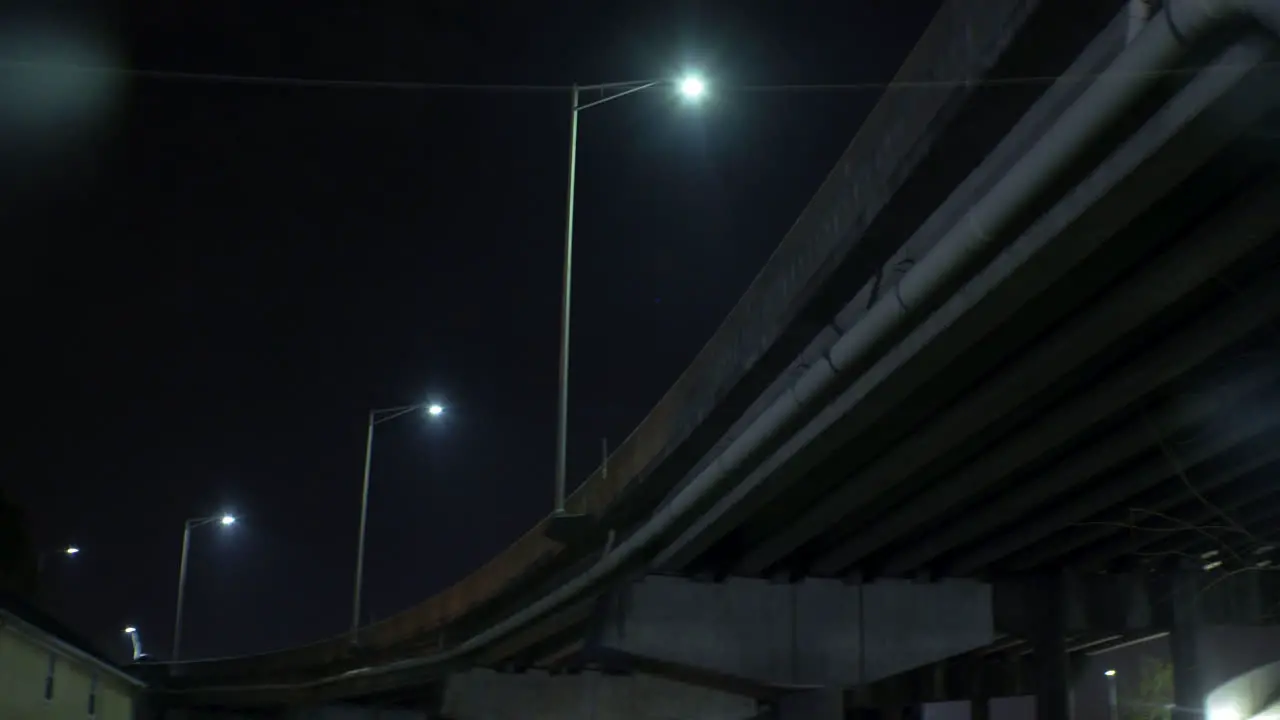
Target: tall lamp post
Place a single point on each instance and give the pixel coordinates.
(376, 417)
(1113, 700)
(692, 88)
(132, 632)
(192, 523)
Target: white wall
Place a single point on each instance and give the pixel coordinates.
(24, 669)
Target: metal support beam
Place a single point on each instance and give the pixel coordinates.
(1053, 686)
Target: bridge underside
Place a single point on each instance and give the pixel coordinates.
(1101, 393)
(1092, 383)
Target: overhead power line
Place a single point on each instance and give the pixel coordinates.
(278, 80)
(419, 86)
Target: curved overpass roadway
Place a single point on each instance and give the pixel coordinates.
(1018, 327)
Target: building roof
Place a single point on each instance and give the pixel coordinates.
(27, 619)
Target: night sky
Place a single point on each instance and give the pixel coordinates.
(210, 283)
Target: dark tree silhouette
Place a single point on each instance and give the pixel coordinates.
(18, 573)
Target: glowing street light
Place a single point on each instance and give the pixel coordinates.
(225, 520)
(132, 632)
(376, 417)
(42, 556)
(1113, 698)
(691, 87)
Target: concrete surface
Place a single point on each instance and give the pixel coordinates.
(488, 695)
(812, 633)
(824, 704)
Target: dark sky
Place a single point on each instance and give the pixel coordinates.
(209, 284)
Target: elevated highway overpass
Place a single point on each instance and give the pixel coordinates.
(1010, 378)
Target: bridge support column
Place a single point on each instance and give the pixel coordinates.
(979, 695)
(1186, 632)
(821, 704)
(1048, 637)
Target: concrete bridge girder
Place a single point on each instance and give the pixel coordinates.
(812, 633)
(827, 633)
(818, 648)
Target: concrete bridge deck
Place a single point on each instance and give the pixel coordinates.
(1021, 327)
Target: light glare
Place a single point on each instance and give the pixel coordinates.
(130, 630)
(72, 550)
(1110, 673)
(1224, 712)
(228, 520)
(692, 87)
(435, 410)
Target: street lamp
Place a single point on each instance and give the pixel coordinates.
(69, 551)
(691, 87)
(1113, 701)
(132, 632)
(224, 520)
(376, 417)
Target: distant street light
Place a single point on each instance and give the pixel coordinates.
(225, 520)
(691, 87)
(376, 417)
(1113, 700)
(132, 632)
(42, 556)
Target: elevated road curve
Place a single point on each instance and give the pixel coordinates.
(1021, 327)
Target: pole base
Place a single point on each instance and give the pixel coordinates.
(570, 528)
